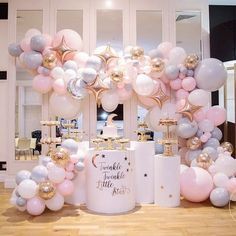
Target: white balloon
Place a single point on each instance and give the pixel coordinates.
(57, 73)
(27, 189)
(225, 164)
(177, 55)
(199, 97)
(183, 168)
(55, 203)
(143, 85)
(69, 74)
(64, 106)
(56, 174)
(220, 179)
(110, 101)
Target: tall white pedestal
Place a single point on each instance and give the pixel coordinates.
(79, 195)
(167, 180)
(110, 181)
(144, 171)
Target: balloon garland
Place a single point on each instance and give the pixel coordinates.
(166, 81)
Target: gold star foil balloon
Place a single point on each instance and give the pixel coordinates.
(47, 190)
(160, 97)
(188, 110)
(62, 50)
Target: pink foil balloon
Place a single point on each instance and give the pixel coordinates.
(217, 115)
(181, 94)
(176, 84)
(42, 84)
(188, 83)
(35, 206)
(66, 187)
(196, 184)
(59, 86)
(180, 104)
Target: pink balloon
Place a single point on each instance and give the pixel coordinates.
(188, 83)
(32, 32)
(212, 170)
(147, 102)
(165, 79)
(25, 44)
(59, 86)
(181, 94)
(66, 187)
(231, 185)
(81, 58)
(176, 84)
(130, 74)
(196, 184)
(217, 115)
(42, 84)
(124, 94)
(164, 48)
(182, 76)
(74, 158)
(204, 138)
(180, 104)
(72, 39)
(69, 175)
(70, 166)
(200, 114)
(208, 134)
(35, 206)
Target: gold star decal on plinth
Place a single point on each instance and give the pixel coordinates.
(107, 55)
(160, 97)
(188, 110)
(62, 50)
(97, 88)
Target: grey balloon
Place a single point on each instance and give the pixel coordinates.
(212, 142)
(22, 175)
(79, 166)
(71, 145)
(199, 133)
(20, 202)
(219, 197)
(217, 133)
(192, 154)
(39, 173)
(46, 160)
(210, 74)
(183, 70)
(183, 120)
(172, 72)
(94, 62)
(32, 59)
(212, 152)
(88, 75)
(155, 53)
(70, 65)
(38, 43)
(190, 73)
(14, 49)
(187, 130)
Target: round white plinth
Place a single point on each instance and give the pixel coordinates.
(167, 180)
(110, 181)
(144, 171)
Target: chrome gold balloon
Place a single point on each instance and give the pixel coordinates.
(227, 147)
(191, 61)
(194, 143)
(204, 161)
(136, 52)
(60, 157)
(50, 60)
(157, 64)
(117, 75)
(47, 190)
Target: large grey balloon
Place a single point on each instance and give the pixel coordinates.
(88, 75)
(32, 59)
(172, 72)
(219, 197)
(22, 175)
(210, 74)
(183, 120)
(187, 130)
(38, 43)
(94, 62)
(212, 142)
(20, 202)
(71, 145)
(14, 49)
(39, 173)
(212, 152)
(217, 133)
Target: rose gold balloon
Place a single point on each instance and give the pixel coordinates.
(158, 65)
(204, 160)
(50, 60)
(46, 190)
(227, 147)
(60, 157)
(136, 52)
(194, 143)
(191, 61)
(117, 75)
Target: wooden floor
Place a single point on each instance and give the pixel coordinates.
(189, 219)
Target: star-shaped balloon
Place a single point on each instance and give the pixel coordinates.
(107, 55)
(189, 109)
(62, 50)
(97, 88)
(160, 97)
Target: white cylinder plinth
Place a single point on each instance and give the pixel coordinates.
(144, 171)
(79, 195)
(167, 180)
(110, 181)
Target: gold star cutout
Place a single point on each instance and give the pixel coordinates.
(188, 110)
(62, 50)
(160, 97)
(107, 55)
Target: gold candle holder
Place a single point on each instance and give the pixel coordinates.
(109, 142)
(142, 132)
(168, 139)
(68, 126)
(97, 142)
(78, 135)
(122, 142)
